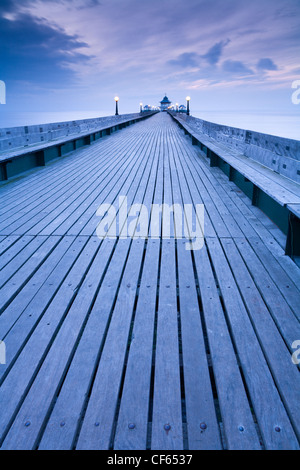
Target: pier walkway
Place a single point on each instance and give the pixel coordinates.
(141, 343)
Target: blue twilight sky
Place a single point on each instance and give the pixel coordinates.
(233, 57)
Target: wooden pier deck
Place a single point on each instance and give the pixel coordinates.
(142, 344)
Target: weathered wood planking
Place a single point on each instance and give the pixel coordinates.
(274, 423)
(167, 430)
(67, 167)
(91, 166)
(202, 428)
(23, 313)
(71, 401)
(6, 242)
(22, 374)
(283, 370)
(237, 420)
(72, 397)
(16, 273)
(142, 344)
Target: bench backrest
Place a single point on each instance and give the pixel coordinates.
(278, 153)
(17, 137)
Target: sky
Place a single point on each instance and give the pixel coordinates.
(235, 58)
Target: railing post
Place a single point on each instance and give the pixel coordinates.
(214, 159)
(40, 158)
(255, 195)
(293, 236)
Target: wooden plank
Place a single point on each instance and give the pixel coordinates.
(123, 164)
(131, 432)
(289, 290)
(68, 141)
(235, 410)
(290, 284)
(194, 192)
(215, 192)
(132, 425)
(187, 173)
(48, 366)
(168, 228)
(63, 169)
(91, 162)
(268, 407)
(49, 378)
(72, 397)
(283, 316)
(223, 209)
(295, 209)
(12, 247)
(167, 430)
(6, 242)
(102, 403)
(24, 203)
(23, 314)
(237, 421)
(269, 239)
(260, 223)
(270, 182)
(284, 372)
(271, 236)
(64, 166)
(40, 248)
(71, 400)
(202, 426)
(56, 207)
(263, 180)
(87, 222)
(20, 302)
(24, 370)
(285, 182)
(101, 407)
(288, 187)
(219, 183)
(17, 152)
(27, 245)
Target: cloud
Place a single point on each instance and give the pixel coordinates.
(213, 55)
(236, 67)
(187, 59)
(34, 50)
(266, 64)
(194, 60)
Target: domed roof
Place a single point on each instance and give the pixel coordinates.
(165, 100)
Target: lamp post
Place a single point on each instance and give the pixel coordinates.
(116, 100)
(141, 107)
(188, 105)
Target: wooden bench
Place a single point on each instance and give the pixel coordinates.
(277, 196)
(18, 160)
